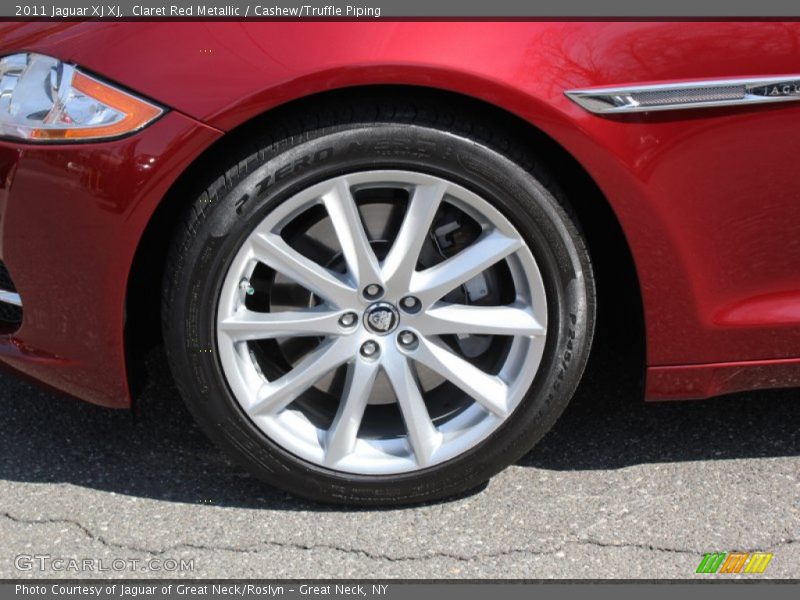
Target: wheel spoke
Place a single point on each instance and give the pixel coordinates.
(361, 261)
(274, 252)
(342, 435)
(402, 259)
(423, 436)
(274, 396)
(432, 284)
(489, 391)
(516, 319)
(250, 325)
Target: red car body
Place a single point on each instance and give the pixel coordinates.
(707, 199)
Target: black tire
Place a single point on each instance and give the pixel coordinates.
(370, 136)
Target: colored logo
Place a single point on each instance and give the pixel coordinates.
(734, 562)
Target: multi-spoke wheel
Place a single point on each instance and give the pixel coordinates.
(421, 281)
(373, 328)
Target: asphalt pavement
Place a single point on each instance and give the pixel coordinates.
(618, 489)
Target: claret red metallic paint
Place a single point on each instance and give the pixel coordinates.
(708, 199)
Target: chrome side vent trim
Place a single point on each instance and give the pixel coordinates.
(686, 95)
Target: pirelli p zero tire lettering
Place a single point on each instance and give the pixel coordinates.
(378, 310)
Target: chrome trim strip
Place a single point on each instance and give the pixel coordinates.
(10, 298)
(689, 94)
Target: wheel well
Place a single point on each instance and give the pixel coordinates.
(620, 322)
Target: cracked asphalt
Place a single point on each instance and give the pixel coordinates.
(618, 489)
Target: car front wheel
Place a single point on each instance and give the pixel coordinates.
(377, 311)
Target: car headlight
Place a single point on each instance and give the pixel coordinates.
(43, 99)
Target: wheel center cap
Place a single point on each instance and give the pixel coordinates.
(381, 318)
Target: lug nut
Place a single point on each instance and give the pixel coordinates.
(348, 319)
(407, 339)
(409, 303)
(373, 291)
(369, 349)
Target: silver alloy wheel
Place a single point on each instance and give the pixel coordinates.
(400, 331)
